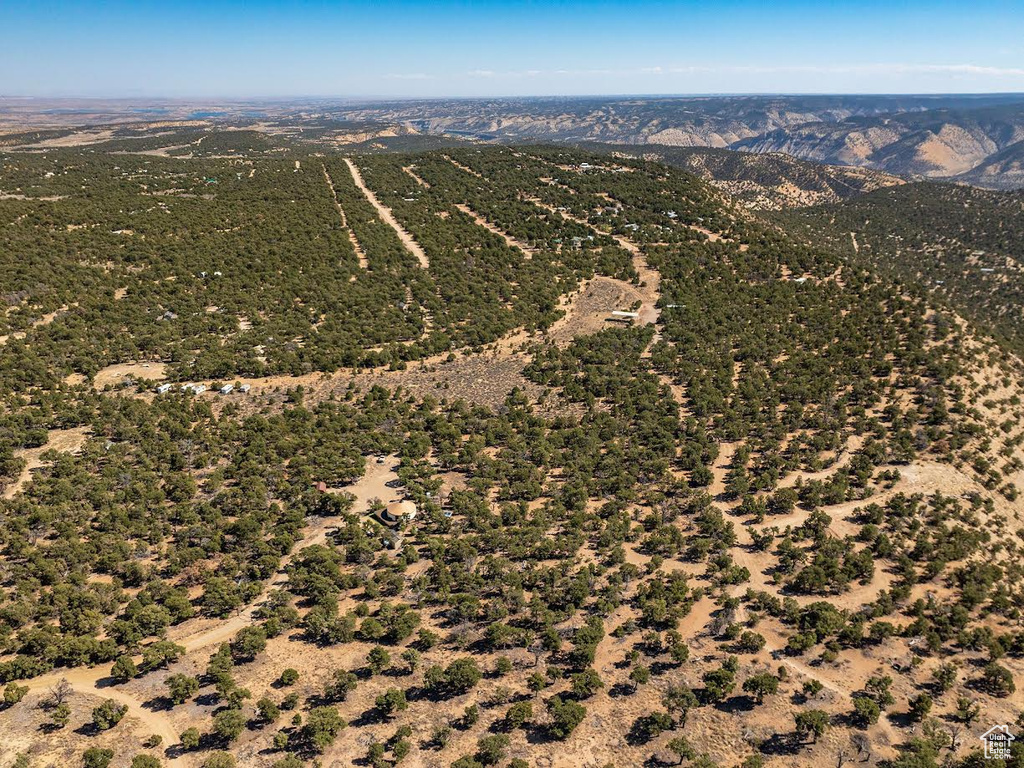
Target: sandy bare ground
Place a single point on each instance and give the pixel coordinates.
(65, 440)
(363, 261)
(389, 218)
(721, 467)
(374, 484)
(589, 310)
(77, 139)
(113, 375)
(24, 732)
(158, 152)
(44, 320)
(138, 720)
(486, 379)
(510, 241)
(16, 196)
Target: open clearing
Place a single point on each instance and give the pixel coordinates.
(589, 309)
(115, 375)
(63, 440)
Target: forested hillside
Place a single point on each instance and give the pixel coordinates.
(963, 245)
(764, 181)
(487, 456)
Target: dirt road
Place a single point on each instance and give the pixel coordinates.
(363, 261)
(510, 241)
(389, 218)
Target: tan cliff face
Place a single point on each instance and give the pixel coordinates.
(862, 144)
(954, 150)
(1003, 169)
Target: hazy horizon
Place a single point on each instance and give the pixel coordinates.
(369, 98)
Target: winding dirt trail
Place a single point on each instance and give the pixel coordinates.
(388, 217)
(197, 634)
(650, 278)
(94, 682)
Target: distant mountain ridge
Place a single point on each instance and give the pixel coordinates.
(976, 139)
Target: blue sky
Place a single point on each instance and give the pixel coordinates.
(218, 48)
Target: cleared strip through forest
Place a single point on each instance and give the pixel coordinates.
(385, 213)
(415, 177)
(462, 167)
(527, 250)
(363, 261)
